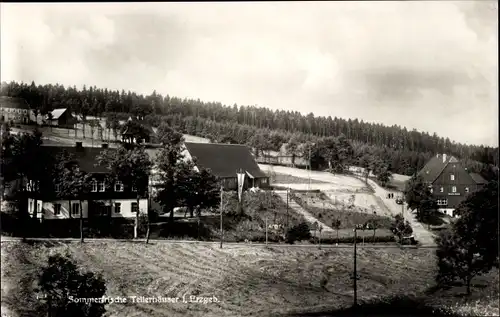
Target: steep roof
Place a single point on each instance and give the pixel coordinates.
(12, 102)
(56, 113)
(435, 166)
(478, 178)
(224, 159)
(85, 156)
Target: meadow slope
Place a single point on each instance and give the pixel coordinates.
(247, 280)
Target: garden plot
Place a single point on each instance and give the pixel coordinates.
(366, 203)
(344, 208)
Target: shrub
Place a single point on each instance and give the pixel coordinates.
(298, 233)
(60, 281)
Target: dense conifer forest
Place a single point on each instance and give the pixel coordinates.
(404, 151)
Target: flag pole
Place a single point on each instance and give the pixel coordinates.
(221, 229)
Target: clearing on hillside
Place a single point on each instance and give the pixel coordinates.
(333, 182)
(246, 280)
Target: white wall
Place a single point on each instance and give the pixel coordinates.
(48, 207)
(448, 211)
(126, 208)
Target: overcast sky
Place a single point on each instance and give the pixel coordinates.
(427, 65)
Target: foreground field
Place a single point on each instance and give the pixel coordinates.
(246, 280)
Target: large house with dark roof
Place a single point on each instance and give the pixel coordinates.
(449, 181)
(224, 161)
(115, 200)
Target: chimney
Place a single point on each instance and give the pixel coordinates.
(79, 145)
(444, 158)
(104, 145)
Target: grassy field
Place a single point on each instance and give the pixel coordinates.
(279, 178)
(246, 280)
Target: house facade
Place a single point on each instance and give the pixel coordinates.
(225, 161)
(114, 200)
(136, 130)
(15, 110)
(449, 182)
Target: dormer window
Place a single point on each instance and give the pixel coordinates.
(452, 177)
(441, 190)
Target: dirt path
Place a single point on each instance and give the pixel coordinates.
(424, 236)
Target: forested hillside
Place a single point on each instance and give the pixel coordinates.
(404, 151)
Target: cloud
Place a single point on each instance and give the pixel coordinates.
(425, 65)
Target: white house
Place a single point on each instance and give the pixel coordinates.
(111, 200)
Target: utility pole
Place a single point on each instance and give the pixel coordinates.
(221, 232)
(266, 231)
(355, 273)
(310, 173)
(287, 207)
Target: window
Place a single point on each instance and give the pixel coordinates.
(94, 187)
(135, 207)
(30, 186)
(57, 209)
(118, 186)
(454, 189)
(264, 181)
(134, 189)
(57, 187)
(441, 190)
(466, 189)
(452, 177)
(76, 209)
(442, 202)
(101, 186)
(431, 190)
(31, 205)
(118, 208)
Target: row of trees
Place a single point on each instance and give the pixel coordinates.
(60, 177)
(294, 144)
(191, 113)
